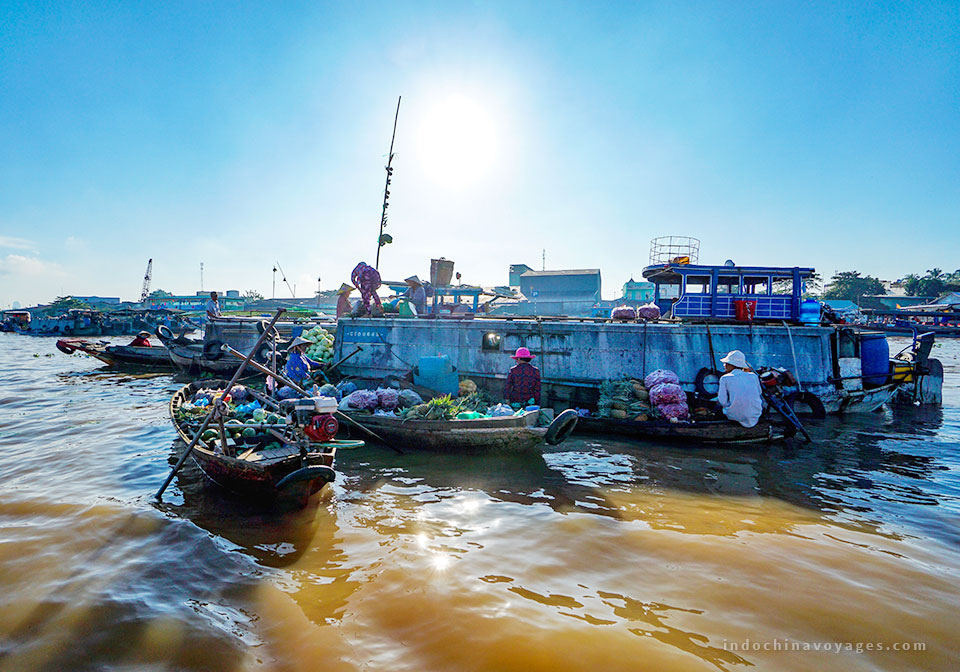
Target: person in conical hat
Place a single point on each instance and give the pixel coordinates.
(141, 341)
(523, 380)
(298, 364)
(740, 396)
(416, 294)
(343, 300)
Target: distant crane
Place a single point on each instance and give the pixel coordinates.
(147, 278)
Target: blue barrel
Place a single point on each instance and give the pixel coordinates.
(874, 358)
(810, 312)
(437, 374)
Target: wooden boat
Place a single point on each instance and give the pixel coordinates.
(283, 474)
(118, 355)
(700, 431)
(507, 434)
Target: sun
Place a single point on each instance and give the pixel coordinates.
(456, 142)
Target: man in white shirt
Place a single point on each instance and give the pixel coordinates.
(213, 307)
(740, 396)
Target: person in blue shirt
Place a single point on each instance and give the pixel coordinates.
(416, 294)
(298, 364)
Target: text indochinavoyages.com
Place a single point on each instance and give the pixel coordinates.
(827, 647)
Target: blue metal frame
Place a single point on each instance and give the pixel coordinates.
(721, 305)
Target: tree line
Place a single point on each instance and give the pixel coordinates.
(851, 285)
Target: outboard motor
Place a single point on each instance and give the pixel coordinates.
(314, 415)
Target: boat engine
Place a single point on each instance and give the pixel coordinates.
(314, 415)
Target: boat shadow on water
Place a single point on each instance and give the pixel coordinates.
(275, 535)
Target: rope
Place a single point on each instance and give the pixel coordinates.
(796, 367)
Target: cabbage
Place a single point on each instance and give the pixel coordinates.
(678, 411)
(661, 376)
(363, 400)
(649, 311)
(388, 398)
(667, 393)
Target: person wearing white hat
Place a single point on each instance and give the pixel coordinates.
(416, 294)
(343, 300)
(740, 396)
(298, 364)
(141, 341)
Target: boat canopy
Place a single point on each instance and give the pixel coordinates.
(698, 291)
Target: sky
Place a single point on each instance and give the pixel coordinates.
(239, 135)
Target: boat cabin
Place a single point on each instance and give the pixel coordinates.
(728, 292)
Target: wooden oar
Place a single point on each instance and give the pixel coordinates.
(218, 405)
(289, 383)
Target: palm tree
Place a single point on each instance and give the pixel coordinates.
(935, 273)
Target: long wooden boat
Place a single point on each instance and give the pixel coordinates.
(700, 431)
(270, 476)
(515, 433)
(118, 355)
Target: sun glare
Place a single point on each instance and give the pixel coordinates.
(457, 142)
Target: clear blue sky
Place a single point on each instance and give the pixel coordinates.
(237, 134)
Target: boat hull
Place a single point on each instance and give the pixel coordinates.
(708, 431)
(497, 435)
(119, 355)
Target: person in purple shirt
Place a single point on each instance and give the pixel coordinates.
(523, 381)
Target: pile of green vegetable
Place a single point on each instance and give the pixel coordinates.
(623, 399)
(322, 348)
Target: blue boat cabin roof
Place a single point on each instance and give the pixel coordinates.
(672, 273)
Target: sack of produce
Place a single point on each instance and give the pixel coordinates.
(408, 398)
(467, 387)
(500, 410)
(387, 398)
(239, 393)
(667, 393)
(363, 400)
(329, 390)
(346, 387)
(623, 313)
(286, 392)
(660, 376)
(675, 411)
(649, 311)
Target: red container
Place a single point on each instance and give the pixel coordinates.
(745, 310)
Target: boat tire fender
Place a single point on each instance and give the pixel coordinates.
(164, 333)
(704, 376)
(212, 350)
(817, 411)
(262, 327)
(65, 348)
(308, 474)
(561, 428)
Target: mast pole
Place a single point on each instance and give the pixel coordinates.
(386, 188)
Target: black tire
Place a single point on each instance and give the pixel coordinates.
(65, 349)
(817, 411)
(265, 353)
(561, 428)
(262, 327)
(164, 333)
(212, 350)
(703, 379)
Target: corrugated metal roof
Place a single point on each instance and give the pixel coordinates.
(575, 271)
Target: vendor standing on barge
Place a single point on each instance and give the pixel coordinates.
(213, 306)
(740, 396)
(523, 381)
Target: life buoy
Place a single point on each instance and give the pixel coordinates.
(212, 350)
(561, 428)
(164, 333)
(817, 411)
(65, 348)
(705, 376)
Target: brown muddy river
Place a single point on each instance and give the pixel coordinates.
(599, 555)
